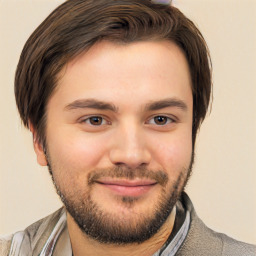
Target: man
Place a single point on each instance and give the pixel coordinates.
(114, 93)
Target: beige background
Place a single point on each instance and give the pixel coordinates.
(223, 186)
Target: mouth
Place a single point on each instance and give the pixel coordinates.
(130, 188)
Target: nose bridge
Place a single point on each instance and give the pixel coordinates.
(130, 147)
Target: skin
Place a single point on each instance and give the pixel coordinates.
(130, 78)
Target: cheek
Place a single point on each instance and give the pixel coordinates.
(76, 151)
(174, 153)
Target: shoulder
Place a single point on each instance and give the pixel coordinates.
(32, 237)
(201, 240)
(5, 244)
(232, 247)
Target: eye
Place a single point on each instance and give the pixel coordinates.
(95, 121)
(160, 120)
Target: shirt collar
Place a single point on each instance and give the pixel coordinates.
(58, 243)
(60, 235)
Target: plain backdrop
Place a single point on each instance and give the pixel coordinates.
(223, 185)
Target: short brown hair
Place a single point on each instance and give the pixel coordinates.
(76, 25)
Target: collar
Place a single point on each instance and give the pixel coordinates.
(58, 242)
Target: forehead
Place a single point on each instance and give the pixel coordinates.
(108, 71)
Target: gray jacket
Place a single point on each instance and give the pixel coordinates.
(200, 240)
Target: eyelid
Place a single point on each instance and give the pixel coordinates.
(172, 119)
(85, 118)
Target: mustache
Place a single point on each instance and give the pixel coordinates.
(121, 172)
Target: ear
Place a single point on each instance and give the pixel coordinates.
(38, 147)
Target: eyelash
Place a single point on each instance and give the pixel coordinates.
(169, 120)
(91, 117)
(105, 122)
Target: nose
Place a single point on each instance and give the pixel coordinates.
(130, 148)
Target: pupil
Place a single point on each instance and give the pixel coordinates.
(96, 120)
(160, 120)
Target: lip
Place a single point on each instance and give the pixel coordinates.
(132, 188)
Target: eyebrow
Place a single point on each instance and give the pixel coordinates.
(165, 103)
(91, 103)
(101, 105)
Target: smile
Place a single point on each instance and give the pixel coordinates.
(132, 188)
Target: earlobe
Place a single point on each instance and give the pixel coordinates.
(38, 147)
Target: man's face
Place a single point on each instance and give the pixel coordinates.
(119, 129)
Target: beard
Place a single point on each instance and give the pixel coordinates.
(115, 228)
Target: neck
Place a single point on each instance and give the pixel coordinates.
(82, 245)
